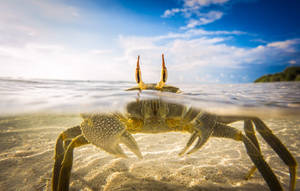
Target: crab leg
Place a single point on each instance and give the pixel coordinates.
(65, 171)
(61, 144)
(225, 131)
(248, 127)
(272, 140)
(279, 148)
(250, 133)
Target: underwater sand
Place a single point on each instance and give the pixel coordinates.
(27, 147)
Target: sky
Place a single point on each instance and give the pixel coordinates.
(204, 41)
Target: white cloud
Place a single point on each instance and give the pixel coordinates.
(31, 43)
(204, 19)
(189, 54)
(24, 22)
(57, 61)
(287, 45)
(292, 62)
(101, 51)
(187, 57)
(171, 12)
(192, 10)
(259, 40)
(193, 3)
(192, 33)
(53, 10)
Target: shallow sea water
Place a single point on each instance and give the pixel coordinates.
(34, 112)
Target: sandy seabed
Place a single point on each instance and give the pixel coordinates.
(27, 147)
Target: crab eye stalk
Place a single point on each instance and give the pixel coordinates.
(138, 76)
(164, 74)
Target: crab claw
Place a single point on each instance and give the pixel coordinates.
(106, 131)
(203, 128)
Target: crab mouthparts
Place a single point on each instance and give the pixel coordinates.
(154, 122)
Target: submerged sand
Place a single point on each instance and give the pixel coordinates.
(27, 146)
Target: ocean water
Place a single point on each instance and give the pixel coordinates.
(34, 112)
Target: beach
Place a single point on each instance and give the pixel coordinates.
(27, 151)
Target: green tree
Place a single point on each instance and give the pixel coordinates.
(289, 74)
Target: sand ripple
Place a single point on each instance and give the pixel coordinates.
(26, 159)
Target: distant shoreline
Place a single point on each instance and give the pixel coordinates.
(291, 73)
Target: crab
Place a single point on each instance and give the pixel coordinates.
(107, 130)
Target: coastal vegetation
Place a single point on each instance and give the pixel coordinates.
(289, 74)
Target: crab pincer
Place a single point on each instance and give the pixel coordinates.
(107, 132)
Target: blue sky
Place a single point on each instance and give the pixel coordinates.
(204, 41)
